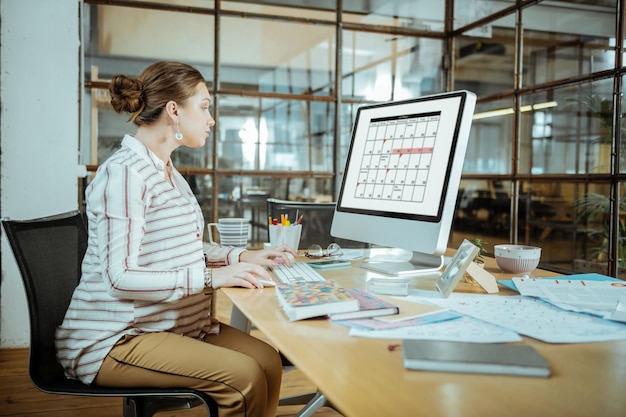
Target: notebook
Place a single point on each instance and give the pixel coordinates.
(484, 358)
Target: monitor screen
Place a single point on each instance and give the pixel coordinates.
(402, 176)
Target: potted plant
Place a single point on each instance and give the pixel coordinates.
(593, 210)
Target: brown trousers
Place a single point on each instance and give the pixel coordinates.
(242, 373)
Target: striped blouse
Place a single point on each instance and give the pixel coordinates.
(144, 266)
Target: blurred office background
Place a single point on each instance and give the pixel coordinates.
(289, 75)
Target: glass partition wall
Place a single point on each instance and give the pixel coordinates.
(545, 162)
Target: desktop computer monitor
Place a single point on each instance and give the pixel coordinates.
(402, 175)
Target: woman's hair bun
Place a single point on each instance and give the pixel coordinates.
(126, 94)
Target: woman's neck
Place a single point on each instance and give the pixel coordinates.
(158, 142)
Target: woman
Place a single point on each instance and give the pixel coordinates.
(141, 313)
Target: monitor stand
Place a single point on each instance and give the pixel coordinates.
(419, 264)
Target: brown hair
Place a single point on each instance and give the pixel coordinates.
(145, 97)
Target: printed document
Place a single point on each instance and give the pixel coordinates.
(535, 318)
(596, 295)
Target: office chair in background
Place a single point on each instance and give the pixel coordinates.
(49, 253)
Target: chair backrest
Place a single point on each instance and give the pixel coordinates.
(316, 222)
(49, 253)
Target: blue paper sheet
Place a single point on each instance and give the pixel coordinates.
(589, 277)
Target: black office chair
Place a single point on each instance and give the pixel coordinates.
(316, 222)
(49, 252)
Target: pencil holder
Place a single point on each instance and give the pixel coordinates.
(285, 235)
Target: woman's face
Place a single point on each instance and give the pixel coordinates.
(195, 118)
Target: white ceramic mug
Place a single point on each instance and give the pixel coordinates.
(232, 231)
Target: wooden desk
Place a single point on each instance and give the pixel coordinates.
(362, 377)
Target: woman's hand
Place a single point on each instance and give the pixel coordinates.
(269, 257)
(242, 274)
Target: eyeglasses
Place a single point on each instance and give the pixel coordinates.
(316, 251)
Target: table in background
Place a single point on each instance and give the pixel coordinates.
(361, 377)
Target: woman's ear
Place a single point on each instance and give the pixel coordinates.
(172, 109)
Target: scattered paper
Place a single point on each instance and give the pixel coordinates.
(619, 314)
(598, 295)
(372, 324)
(462, 329)
(535, 318)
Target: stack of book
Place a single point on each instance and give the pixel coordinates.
(304, 300)
(369, 306)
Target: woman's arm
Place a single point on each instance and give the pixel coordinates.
(166, 265)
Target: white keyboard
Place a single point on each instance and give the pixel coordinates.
(299, 271)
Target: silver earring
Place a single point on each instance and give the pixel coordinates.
(178, 136)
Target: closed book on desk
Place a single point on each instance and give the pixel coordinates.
(484, 358)
(303, 300)
(369, 306)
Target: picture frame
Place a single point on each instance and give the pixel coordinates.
(455, 270)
